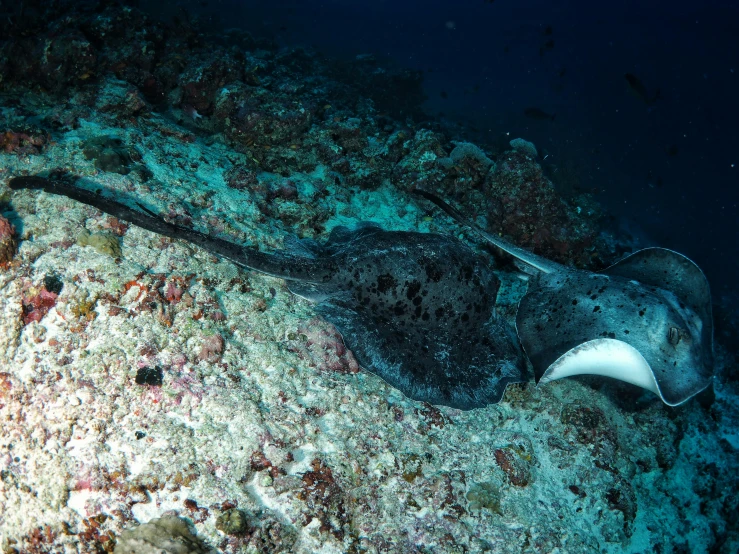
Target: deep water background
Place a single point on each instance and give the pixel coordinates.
(668, 171)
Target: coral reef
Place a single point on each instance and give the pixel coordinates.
(168, 534)
(23, 142)
(159, 384)
(103, 242)
(8, 243)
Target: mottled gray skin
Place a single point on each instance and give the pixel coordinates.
(655, 300)
(416, 309)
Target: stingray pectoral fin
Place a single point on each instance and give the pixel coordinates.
(606, 357)
(668, 270)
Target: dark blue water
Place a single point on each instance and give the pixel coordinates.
(665, 166)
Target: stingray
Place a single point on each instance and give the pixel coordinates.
(645, 320)
(416, 309)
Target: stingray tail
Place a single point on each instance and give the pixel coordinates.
(275, 264)
(536, 262)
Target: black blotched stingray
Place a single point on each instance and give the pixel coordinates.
(416, 309)
(645, 320)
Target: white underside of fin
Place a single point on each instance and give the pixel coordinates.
(607, 357)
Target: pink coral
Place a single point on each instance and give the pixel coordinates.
(7, 241)
(212, 348)
(322, 344)
(20, 142)
(37, 304)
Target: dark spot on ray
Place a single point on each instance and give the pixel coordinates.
(413, 289)
(434, 273)
(385, 283)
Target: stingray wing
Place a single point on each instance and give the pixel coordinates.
(668, 270)
(440, 368)
(583, 323)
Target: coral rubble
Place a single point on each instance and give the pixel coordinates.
(155, 397)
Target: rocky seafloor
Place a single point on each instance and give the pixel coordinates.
(141, 378)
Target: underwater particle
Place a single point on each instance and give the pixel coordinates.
(8, 243)
(232, 522)
(484, 496)
(139, 435)
(105, 243)
(150, 376)
(165, 535)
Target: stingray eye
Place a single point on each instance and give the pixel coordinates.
(674, 335)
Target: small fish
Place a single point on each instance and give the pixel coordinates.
(640, 90)
(654, 181)
(546, 47)
(191, 112)
(539, 115)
